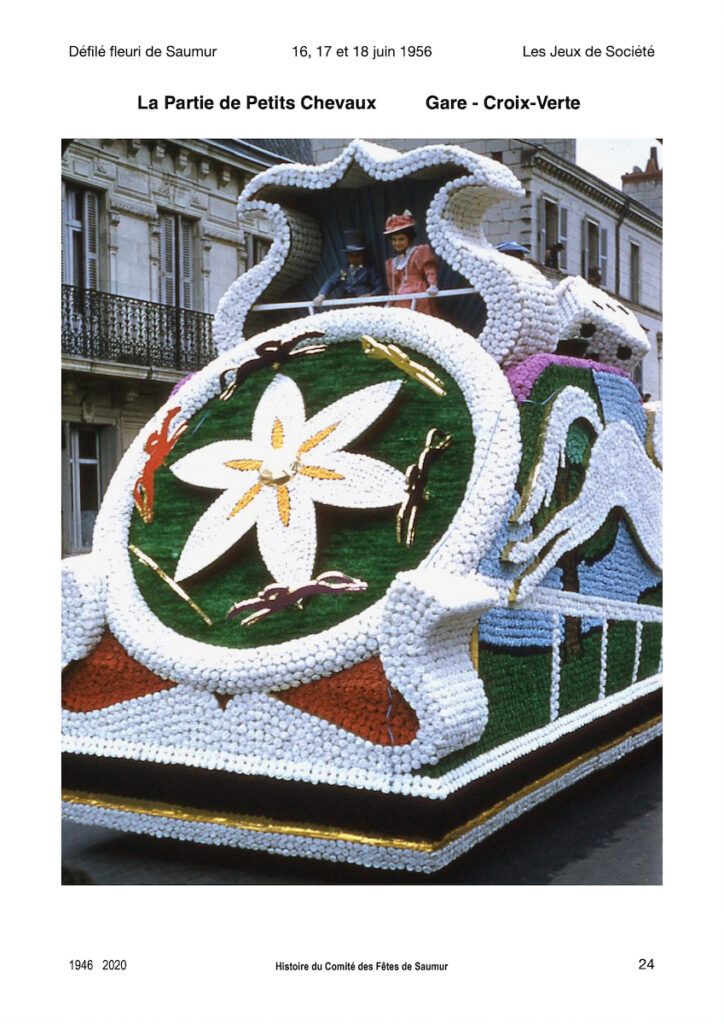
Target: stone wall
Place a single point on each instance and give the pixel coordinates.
(136, 181)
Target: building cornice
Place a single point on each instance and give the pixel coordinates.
(208, 157)
(583, 181)
(121, 371)
(220, 234)
(243, 150)
(137, 208)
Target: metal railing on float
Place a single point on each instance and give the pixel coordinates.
(362, 300)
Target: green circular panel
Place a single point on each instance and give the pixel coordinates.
(360, 543)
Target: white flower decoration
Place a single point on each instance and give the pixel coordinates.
(274, 479)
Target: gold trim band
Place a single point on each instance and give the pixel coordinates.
(271, 827)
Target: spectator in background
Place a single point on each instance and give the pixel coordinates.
(552, 255)
(515, 249)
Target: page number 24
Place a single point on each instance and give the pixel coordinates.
(645, 965)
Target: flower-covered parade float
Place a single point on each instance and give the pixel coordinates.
(374, 582)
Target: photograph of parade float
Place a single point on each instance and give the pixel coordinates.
(363, 556)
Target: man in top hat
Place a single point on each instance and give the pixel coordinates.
(413, 268)
(358, 278)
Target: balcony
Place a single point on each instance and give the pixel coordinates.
(101, 328)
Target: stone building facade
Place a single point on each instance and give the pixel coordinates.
(150, 242)
(596, 229)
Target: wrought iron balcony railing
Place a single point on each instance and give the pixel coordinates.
(116, 328)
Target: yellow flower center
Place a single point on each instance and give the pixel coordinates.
(277, 469)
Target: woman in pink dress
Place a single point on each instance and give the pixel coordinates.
(413, 268)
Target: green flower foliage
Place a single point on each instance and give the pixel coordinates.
(534, 410)
(578, 443)
(652, 635)
(650, 649)
(602, 541)
(518, 685)
(621, 655)
(580, 674)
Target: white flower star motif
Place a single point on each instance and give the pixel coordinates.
(273, 480)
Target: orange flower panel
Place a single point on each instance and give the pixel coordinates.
(107, 676)
(360, 700)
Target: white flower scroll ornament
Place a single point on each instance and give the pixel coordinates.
(274, 479)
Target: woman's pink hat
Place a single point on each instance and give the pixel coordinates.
(399, 222)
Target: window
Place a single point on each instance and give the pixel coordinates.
(635, 272)
(553, 233)
(85, 485)
(89, 459)
(80, 243)
(257, 249)
(177, 261)
(594, 253)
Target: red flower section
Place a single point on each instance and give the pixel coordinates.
(107, 676)
(360, 700)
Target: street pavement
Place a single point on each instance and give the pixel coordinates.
(604, 831)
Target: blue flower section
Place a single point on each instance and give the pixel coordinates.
(553, 579)
(588, 624)
(620, 400)
(506, 627)
(491, 564)
(503, 626)
(622, 574)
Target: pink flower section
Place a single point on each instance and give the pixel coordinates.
(179, 384)
(523, 376)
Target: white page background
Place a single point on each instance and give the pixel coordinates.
(517, 955)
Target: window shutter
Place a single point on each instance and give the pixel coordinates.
(167, 264)
(108, 454)
(563, 237)
(541, 230)
(635, 272)
(603, 262)
(65, 238)
(90, 239)
(584, 248)
(185, 262)
(66, 504)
